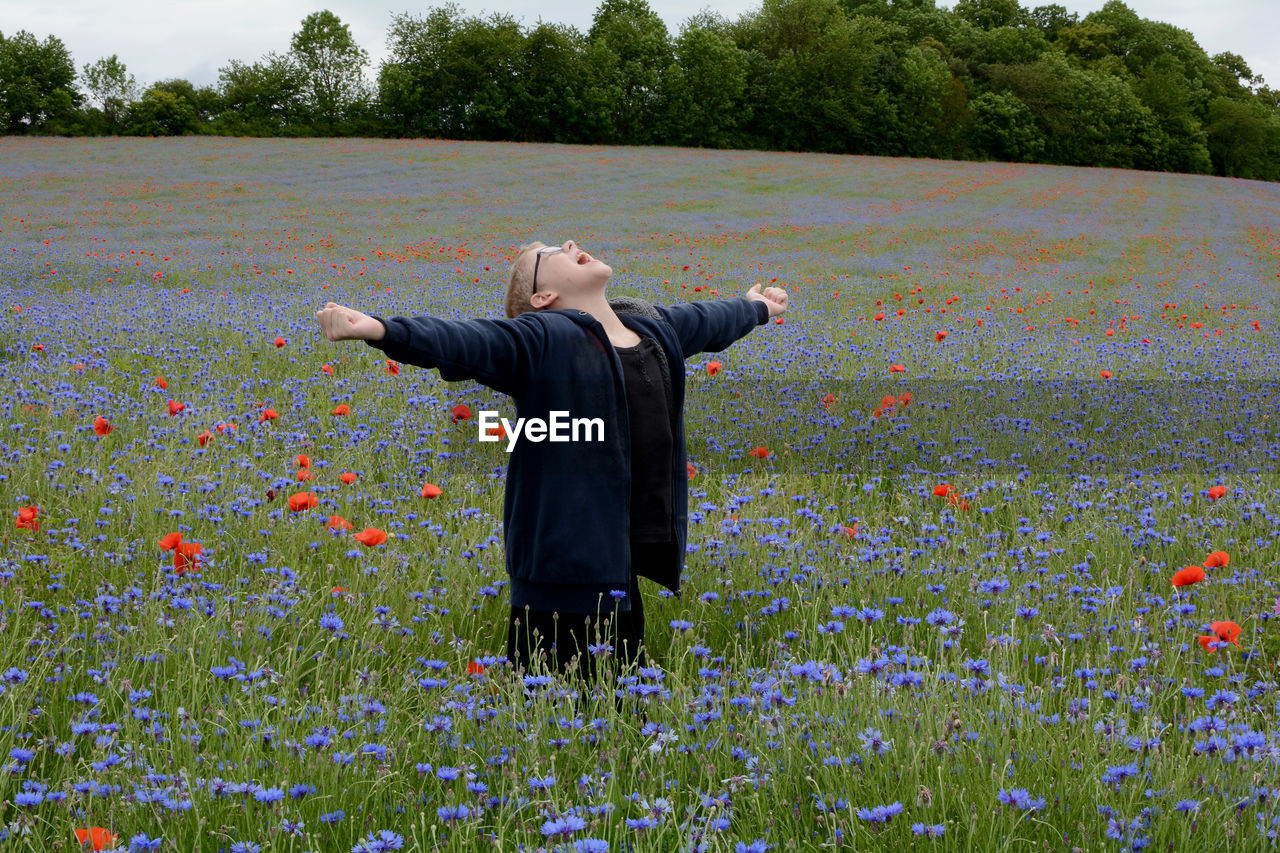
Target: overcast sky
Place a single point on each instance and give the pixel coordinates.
(159, 39)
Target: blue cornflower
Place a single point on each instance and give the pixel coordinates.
(928, 830)
(873, 741)
(564, 825)
(331, 622)
(20, 755)
(1186, 806)
(1119, 773)
(384, 841)
(448, 774)
(880, 814)
(333, 816)
(246, 847)
(757, 846)
(590, 845)
(458, 812)
(536, 784)
(141, 842)
(268, 795)
(1019, 798)
(28, 798)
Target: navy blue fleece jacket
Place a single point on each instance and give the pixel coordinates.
(566, 511)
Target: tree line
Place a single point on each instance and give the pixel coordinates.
(986, 79)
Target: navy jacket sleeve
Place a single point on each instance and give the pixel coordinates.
(497, 353)
(713, 326)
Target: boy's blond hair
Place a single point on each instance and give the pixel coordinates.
(520, 288)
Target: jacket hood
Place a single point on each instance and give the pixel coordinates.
(634, 305)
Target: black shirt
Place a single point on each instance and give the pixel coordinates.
(651, 442)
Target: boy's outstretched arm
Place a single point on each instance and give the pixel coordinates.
(713, 326)
(494, 352)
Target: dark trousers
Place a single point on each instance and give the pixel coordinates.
(561, 640)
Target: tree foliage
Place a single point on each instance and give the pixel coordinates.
(986, 79)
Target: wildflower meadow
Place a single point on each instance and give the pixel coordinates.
(983, 533)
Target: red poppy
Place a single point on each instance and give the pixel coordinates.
(938, 336)
(371, 536)
(760, 452)
(1105, 374)
(828, 399)
(326, 369)
(279, 342)
(850, 531)
(1217, 492)
(342, 409)
(392, 368)
(175, 407)
(692, 471)
(713, 367)
(337, 522)
(1223, 632)
(459, 413)
(1188, 575)
(943, 490)
(186, 556)
(887, 402)
(164, 385)
(268, 415)
(897, 368)
(101, 426)
(305, 474)
(27, 518)
(222, 427)
(474, 668)
(905, 398)
(500, 431)
(303, 460)
(96, 837)
(879, 316)
(203, 438)
(303, 500)
(431, 490)
(1217, 559)
(338, 590)
(347, 477)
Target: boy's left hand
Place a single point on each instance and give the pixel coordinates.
(774, 297)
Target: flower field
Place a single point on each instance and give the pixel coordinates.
(983, 533)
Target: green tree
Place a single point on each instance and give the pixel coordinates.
(638, 40)
(1244, 139)
(112, 87)
(37, 84)
(1051, 19)
(263, 98)
(333, 68)
(160, 112)
(558, 103)
(990, 14)
(415, 89)
(1003, 128)
(703, 89)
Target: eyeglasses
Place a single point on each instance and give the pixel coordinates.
(545, 250)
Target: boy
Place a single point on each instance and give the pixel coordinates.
(582, 520)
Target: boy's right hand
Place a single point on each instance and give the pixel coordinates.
(341, 323)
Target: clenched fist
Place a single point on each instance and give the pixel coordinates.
(774, 297)
(341, 323)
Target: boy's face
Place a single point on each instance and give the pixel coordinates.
(568, 273)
